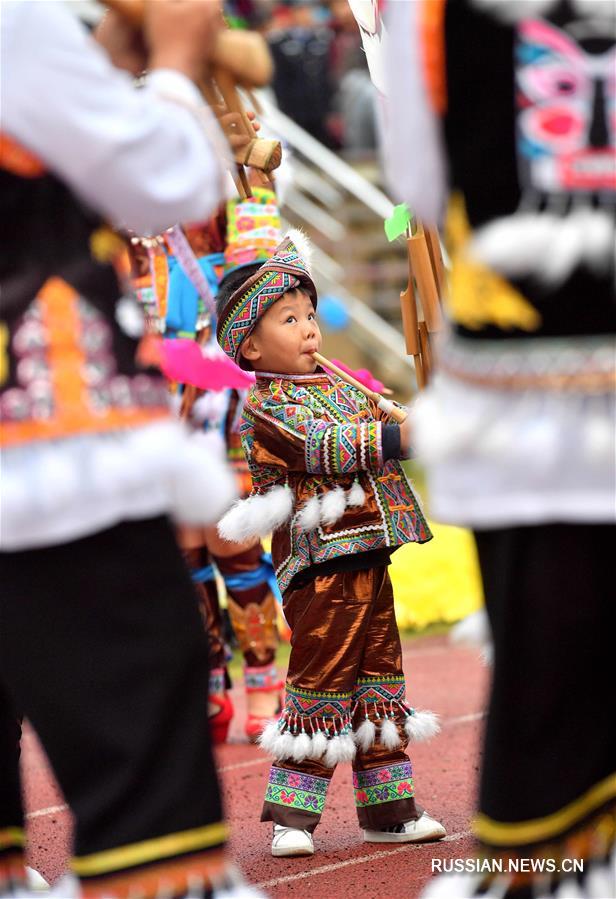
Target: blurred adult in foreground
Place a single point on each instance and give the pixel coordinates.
(501, 120)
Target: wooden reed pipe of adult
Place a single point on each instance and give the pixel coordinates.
(384, 404)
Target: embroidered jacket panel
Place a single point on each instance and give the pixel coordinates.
(316, 433)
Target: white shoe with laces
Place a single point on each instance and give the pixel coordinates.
(421, 830)
(289, 841)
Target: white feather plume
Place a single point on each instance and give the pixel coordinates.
(309, 515)
(268, 736)
(545, 245)
(303, 244)
(474, 630)
(511, 11)
(390, 738)
(421, 726)
(283, 748)
(334, 753)
(279, 507)
(210, 406)
(356, 496)
(202, 485)
(302, 745)
(318, 745)
(236, 525)
(365, 735)
(347, 748)
(257, 516)
(333, 504)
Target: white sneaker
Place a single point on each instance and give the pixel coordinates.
(291, 841)
(422, 830)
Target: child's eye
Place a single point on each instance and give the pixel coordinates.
(312, 316)
(291, 318)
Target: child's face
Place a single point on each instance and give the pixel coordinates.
(286, 337)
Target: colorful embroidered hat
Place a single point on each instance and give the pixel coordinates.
(253, 229)
(285, 270)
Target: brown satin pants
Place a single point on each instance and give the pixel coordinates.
(344, 631)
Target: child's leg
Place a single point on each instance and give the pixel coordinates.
(219, 705)
(382, 774)
(329, 621)
(253, 612)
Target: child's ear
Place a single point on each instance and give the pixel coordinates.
(249, 350)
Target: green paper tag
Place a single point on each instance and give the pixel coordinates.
(398, 222)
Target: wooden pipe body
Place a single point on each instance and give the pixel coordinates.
(395, 412)
(425, 279)
(436, 258)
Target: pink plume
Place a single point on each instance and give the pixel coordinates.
(183, 361)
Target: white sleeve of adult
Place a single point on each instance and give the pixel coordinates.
(146, 158)
(411, 132)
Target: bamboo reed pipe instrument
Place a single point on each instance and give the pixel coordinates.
(386, 405)
(240, 58)
(420, 302)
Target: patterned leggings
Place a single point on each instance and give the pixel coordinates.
(345, 666)
(253, 613)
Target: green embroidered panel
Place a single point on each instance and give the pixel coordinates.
(385, 784)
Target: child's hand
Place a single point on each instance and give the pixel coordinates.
(406, 437)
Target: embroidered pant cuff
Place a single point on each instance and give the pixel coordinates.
(294, 799)
(385, 796)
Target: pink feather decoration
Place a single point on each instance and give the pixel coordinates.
(182, 360)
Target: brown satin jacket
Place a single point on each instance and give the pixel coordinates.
(316, 433)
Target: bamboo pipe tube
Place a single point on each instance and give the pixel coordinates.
(436, 259)
(426, 354)
(385, 405)
(226, 86)
(410, 329)
(424, 278)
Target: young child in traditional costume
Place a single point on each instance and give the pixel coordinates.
(328, 484)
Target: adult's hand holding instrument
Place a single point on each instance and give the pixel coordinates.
(384, 404)
(228, 58)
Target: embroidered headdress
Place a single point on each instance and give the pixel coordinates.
(285, 270)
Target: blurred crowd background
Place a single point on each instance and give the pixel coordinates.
(321, 79)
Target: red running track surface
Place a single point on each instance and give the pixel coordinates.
(446, 679)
